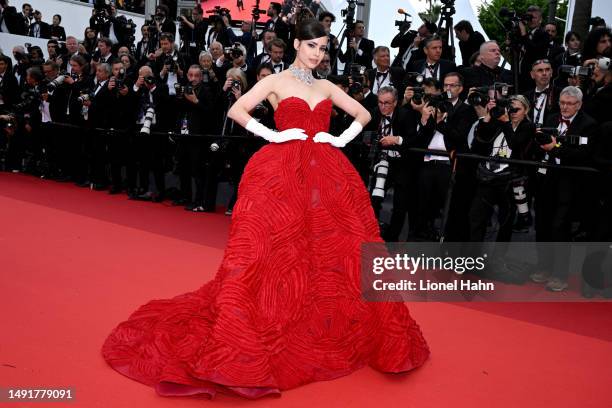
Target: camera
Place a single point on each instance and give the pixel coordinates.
(440, 101)
(419, 94)
(576, 71)
(232, 52)
(236, 84)
(52, 85)
(149, 79)
(85, 96)
(120, 79)
(148, 121)
(501, 106)
(413, 79)
(480, 97)
(543, 136)
(171, 62)
(513, 19)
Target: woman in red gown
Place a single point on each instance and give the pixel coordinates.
(285, 307)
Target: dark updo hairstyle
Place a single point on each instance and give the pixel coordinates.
(310, 29)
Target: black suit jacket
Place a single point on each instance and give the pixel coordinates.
(396, 79)
(469, 47)
(402, 41)
(9, 89)
(58, 31)
(444, 67)
(582, 125)
(280, 28)
(101, 108)
(455, 128)
(552, 102)
(45, 30)
(366, 57)
(518, 140)
(15, 22)
(598, 104)
(483, 76)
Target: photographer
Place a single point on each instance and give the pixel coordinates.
(507, 135)
(469, 40)
(598, 98)
(168, 64)
(396, 127)
(597, 44)
(385, 75)
(534, 42)
(560, 191)
(545, 97)
(39, 29)
(23, 63)
(13, 22)
(53, 108)
(198, 105)
(220, 31)
(409, 43)
(444, 125)
(26, 144)
(233, 57)
(326, 18)
(154, 114)
(121, 120)
(233, 89)
(277, 53)
(9, 88)
(99, 112)
(359, 49)
(160, 21)
(276, 23)
(433, 66)
(79, 88)
(108, 24)
(193, 33)
(489, 71)
(571, 56)
(267, 37)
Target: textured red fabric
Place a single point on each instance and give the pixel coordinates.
(285, 307)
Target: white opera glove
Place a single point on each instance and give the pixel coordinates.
(273, 136)
(342, 140)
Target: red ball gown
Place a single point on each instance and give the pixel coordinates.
(285, 306)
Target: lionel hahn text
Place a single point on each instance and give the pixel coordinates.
(427, 285)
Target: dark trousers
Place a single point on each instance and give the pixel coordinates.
(404, 177)
(190, 165)
(555, 194)
(432, 189)
(489, 195)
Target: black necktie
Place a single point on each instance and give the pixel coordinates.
(432, 69)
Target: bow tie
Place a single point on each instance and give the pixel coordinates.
(387, 119)
(278, 66)
(566, 121)
(379, 74)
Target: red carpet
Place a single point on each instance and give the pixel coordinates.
(76, 262)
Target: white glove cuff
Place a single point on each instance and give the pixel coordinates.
(352, 131)
(258, 129)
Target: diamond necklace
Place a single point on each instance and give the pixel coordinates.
(302, 75)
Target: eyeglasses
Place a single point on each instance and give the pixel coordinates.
(386, 103)
(568, 103)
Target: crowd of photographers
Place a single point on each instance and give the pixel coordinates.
(105, 112)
